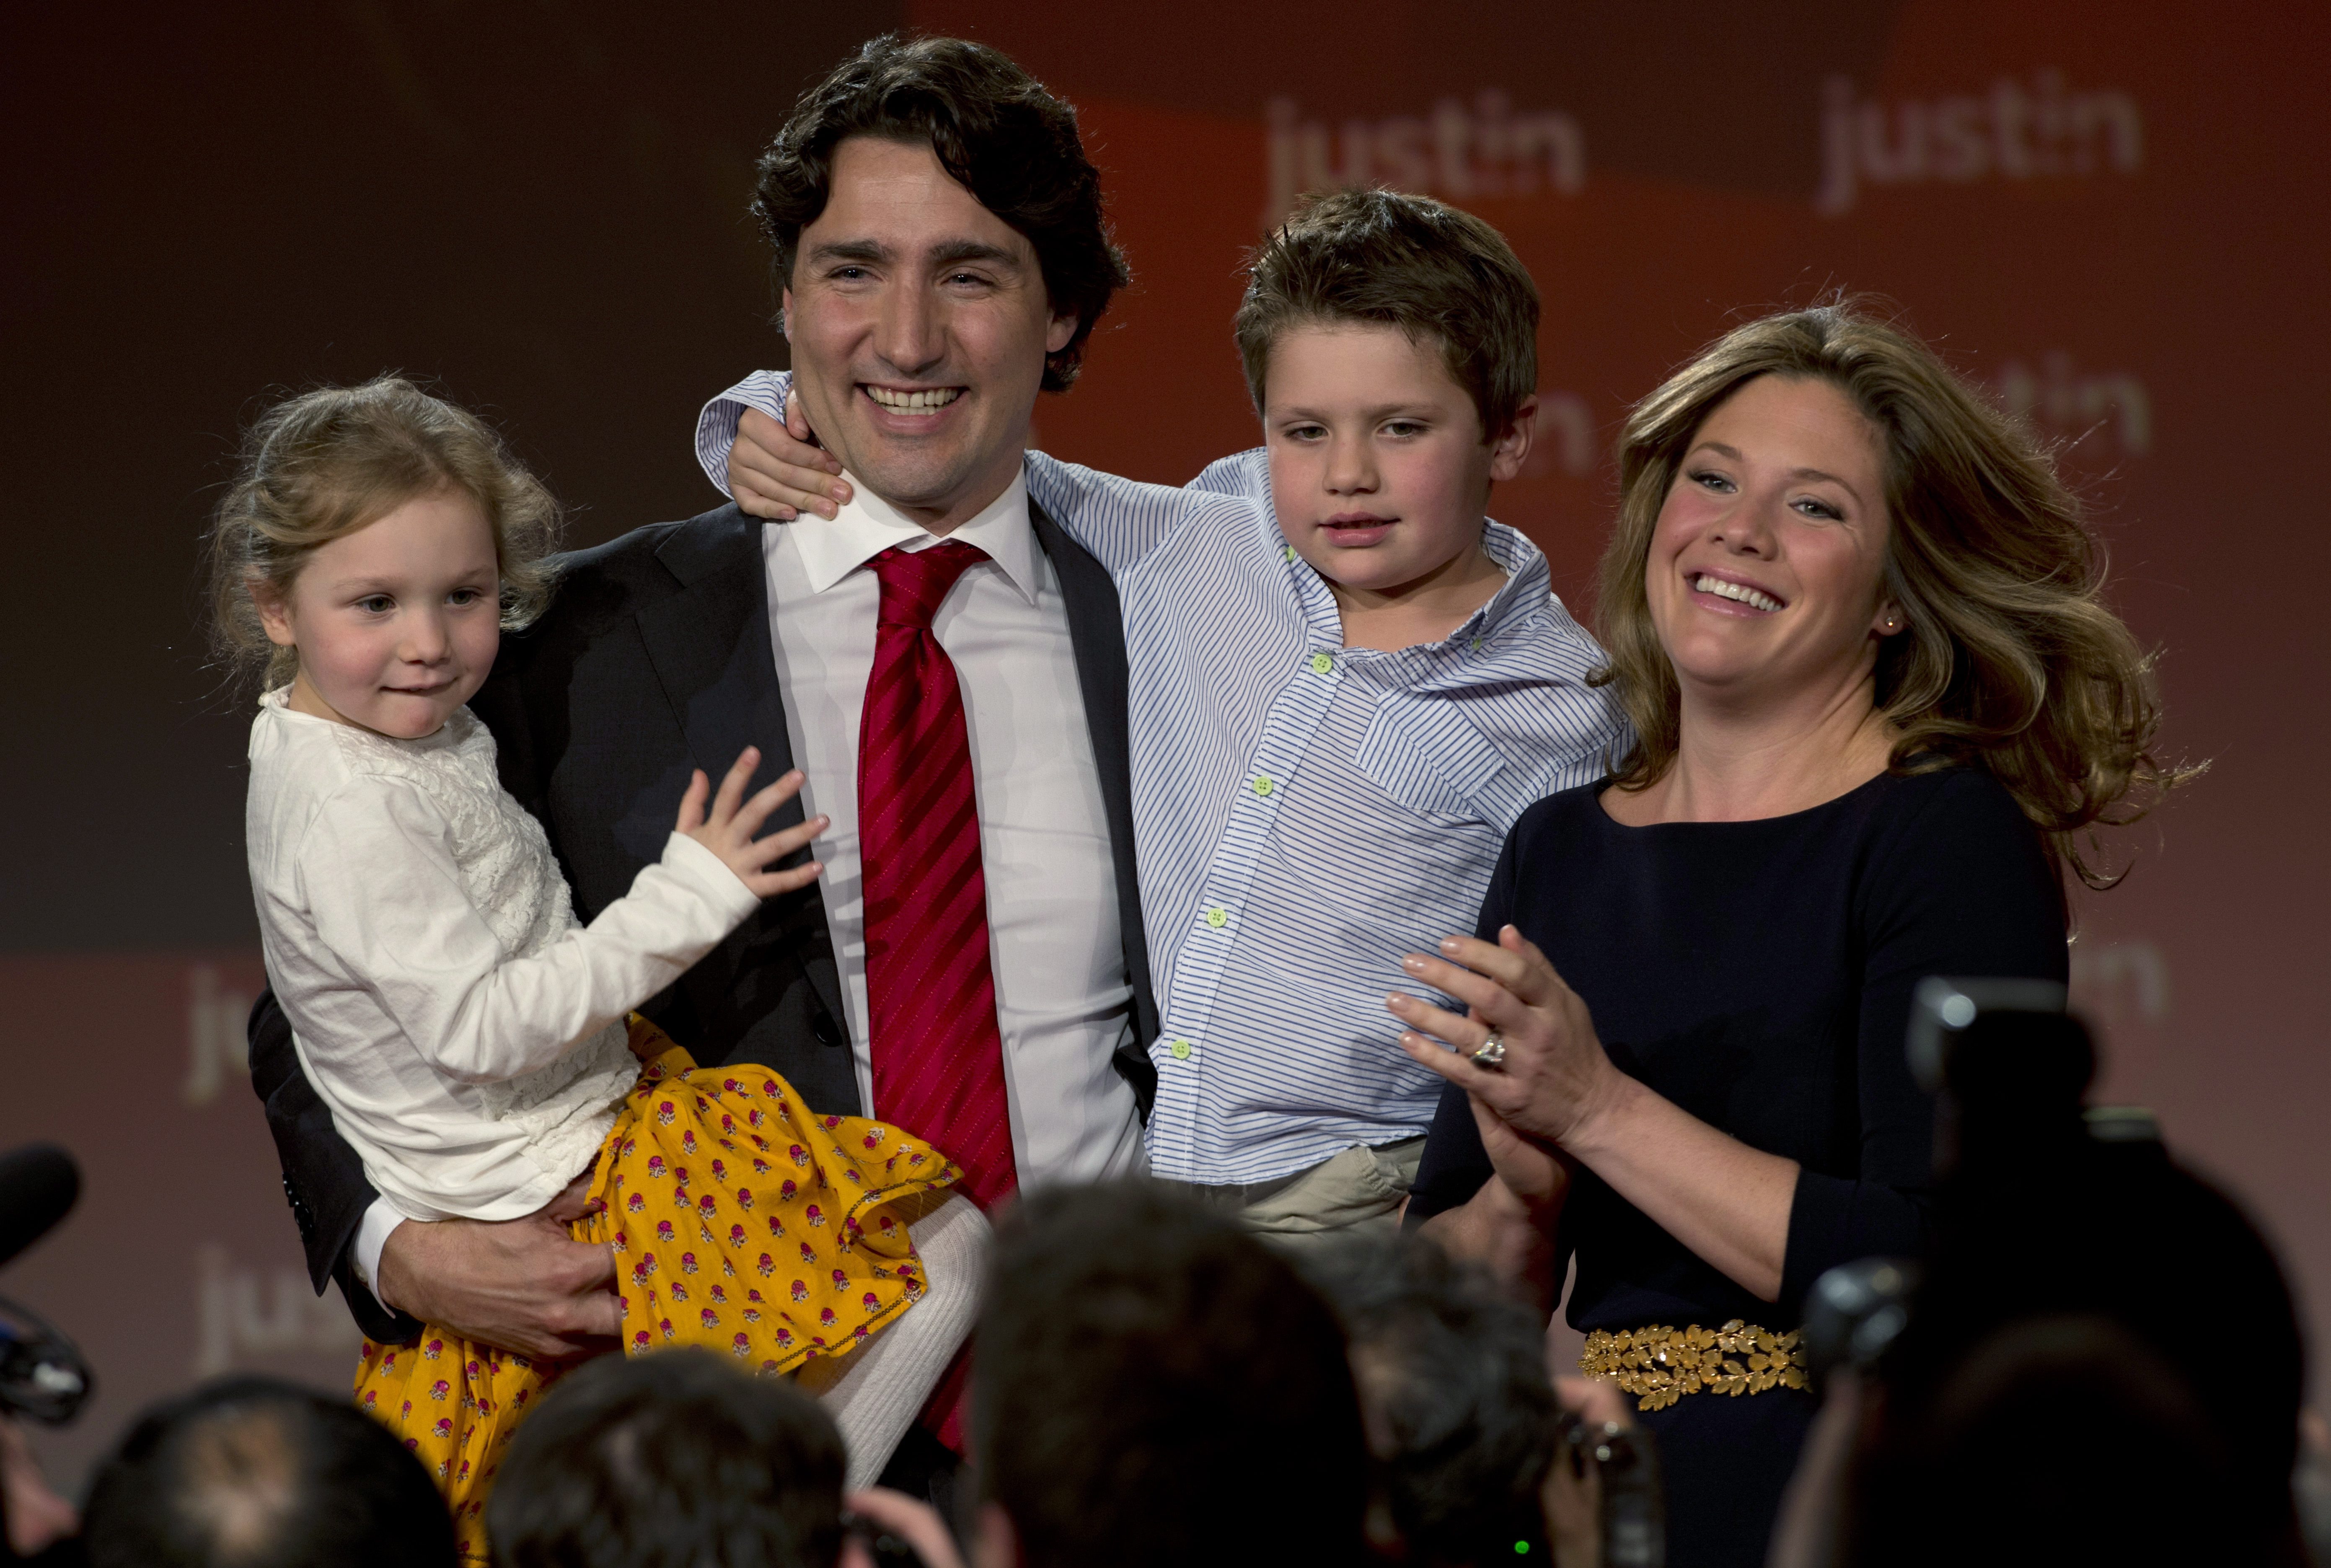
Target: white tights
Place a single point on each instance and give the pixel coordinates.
(874, 1392)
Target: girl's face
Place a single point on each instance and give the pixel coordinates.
(1766, 570)
(396, 623)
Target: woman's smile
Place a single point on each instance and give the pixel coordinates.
(1732, 595)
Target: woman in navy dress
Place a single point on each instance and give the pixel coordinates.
(1856, 623)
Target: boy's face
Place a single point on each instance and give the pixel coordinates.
(1379, 467)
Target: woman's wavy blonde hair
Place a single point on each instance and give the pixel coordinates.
(319, 466)
(2011, 660)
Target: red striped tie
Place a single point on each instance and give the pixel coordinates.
(930, 991)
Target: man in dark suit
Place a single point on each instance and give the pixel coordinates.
(943, 663)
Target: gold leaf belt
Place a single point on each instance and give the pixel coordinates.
(1659, 1365)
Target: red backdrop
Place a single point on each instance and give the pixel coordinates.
(2113, 218)
(2112, 215)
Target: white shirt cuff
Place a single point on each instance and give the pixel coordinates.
(716, 425)
(716, 433)
(722, 890)
(372, 1236)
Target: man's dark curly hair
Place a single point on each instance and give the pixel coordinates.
(993, 127)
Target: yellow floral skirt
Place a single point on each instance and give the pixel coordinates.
(739, 1221)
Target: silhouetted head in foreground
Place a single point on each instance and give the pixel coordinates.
(1453, 1379)
(253, 1473)
(677, 1459)
(1153, 1386)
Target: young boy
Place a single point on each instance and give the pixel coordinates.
(1345, 685)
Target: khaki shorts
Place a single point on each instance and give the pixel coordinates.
(1357, 1193)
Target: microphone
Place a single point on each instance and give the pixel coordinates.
(38, 1183)
(43, 1376)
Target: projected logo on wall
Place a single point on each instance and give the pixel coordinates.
(1456, 153)
(250, 1314)
(216, 1049)
(2063, 399)
(2019, 131)
(1566, 442)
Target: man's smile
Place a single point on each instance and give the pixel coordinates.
(910, 400)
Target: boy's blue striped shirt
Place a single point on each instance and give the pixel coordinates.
(1304, 813)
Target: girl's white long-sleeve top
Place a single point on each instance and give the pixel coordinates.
(465, 1030)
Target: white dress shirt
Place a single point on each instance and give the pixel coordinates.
(1063, 1001)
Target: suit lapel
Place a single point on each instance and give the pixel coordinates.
(1097, 635)
(710, 648)
(708, 645)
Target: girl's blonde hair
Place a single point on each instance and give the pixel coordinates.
(2012, 661)
(321, 465)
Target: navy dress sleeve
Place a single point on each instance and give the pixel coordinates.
(1960, 889)
(1689, 932)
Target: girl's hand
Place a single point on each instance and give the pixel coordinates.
(728, 831)
(1555, 1078)
(774, 472)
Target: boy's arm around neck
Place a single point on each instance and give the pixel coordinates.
(1245, 474)
(715, 423)
(1119, 520)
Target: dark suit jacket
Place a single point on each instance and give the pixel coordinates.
(653, 661)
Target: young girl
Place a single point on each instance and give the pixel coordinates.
(468, 1033)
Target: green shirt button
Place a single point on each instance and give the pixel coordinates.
(1321, 664)
(1180, 1048)
(1288, 552)
(1218, 918)
(1262, 784)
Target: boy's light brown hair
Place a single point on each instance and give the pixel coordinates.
(1439, 275)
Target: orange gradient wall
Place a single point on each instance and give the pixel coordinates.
(2111, 215)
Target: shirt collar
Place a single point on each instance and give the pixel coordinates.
(1527, 588)
(1501, 637)
(868, 525)
(1529, 583)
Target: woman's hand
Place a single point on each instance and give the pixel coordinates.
(728, 832)
(1555, 1078)
(1536, 1174)
(775, 471)
(1508, 1235)
(1726, 1202)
